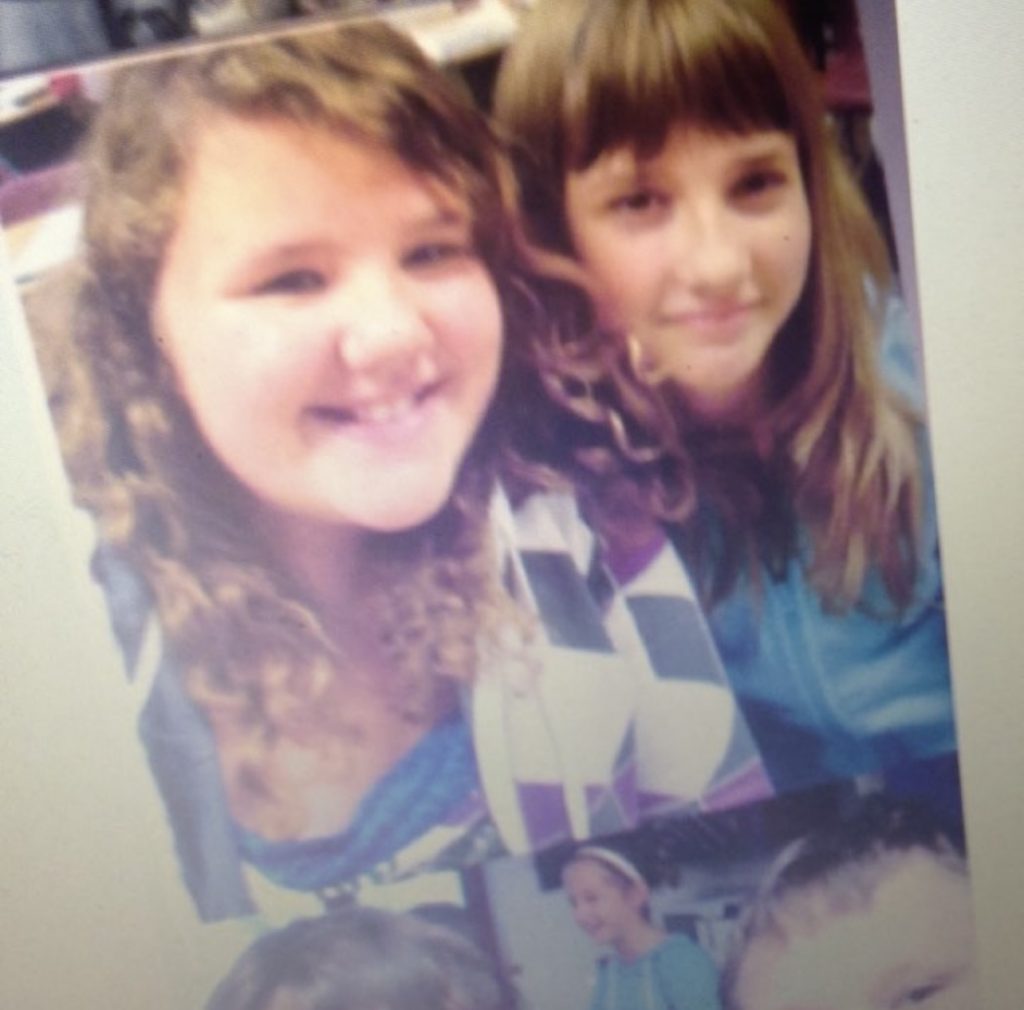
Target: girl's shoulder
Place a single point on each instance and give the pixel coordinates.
(677, 948)
(683, 968)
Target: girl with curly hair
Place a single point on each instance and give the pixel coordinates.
(297, 327)
(749, 382)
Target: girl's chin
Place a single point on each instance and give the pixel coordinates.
(735, 403)
(406, 511)
(328, 521)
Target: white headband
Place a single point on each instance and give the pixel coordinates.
(613, 859)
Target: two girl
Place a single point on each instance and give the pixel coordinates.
(287, 401)
(646, 968)
(298, 327)
(751, 381)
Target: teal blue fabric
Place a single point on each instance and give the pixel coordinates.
(835, 695)
(676, 975)
(435, 780)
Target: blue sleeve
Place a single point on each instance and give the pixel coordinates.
(687, 976)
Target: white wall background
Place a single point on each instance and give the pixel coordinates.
(552, 962)
(963, 87)
(91, 920)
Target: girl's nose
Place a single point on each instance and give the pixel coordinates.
(708, 252)
(378, 322)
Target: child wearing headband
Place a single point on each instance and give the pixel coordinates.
(751, 375)
(645, 968)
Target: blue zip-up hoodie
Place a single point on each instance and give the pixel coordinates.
(835, 695)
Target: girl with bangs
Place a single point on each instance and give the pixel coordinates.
(295, 331)
(748, 382)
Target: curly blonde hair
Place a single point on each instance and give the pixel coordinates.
(252, 646)
(837, 454)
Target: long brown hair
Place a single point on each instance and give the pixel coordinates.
(252, 646)
(588, 76)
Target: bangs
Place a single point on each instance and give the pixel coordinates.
(636, 70)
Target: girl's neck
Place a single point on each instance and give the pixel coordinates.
(741, 408)
(752, 424)
(641, 939)
(323, 559)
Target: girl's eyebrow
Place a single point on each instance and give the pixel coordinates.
(442, 217)
(622, 168)
(288, 251)
(762, 149)
(775, 162)
(253, 266)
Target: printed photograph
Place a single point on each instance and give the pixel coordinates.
(501, 428)
(853, 894)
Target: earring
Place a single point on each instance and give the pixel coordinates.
(639, 361)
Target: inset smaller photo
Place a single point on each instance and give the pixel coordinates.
(853, 894)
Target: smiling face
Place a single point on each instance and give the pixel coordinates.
(908, 945)
(698, 254)
(606, 908)
(329, 322)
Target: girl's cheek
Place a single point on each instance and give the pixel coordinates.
(474, 291)
(276, 334)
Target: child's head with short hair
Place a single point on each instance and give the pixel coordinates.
(363, 959)
(871, 913)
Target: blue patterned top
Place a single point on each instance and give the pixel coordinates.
(434, 782)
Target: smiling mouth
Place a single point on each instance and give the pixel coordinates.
(377, 413)
(711, 319)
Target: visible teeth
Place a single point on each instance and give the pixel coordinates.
(384, 413)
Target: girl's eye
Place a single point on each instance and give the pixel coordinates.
(291, 282)
(638, 204)
(760, 185)
(431, 254)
